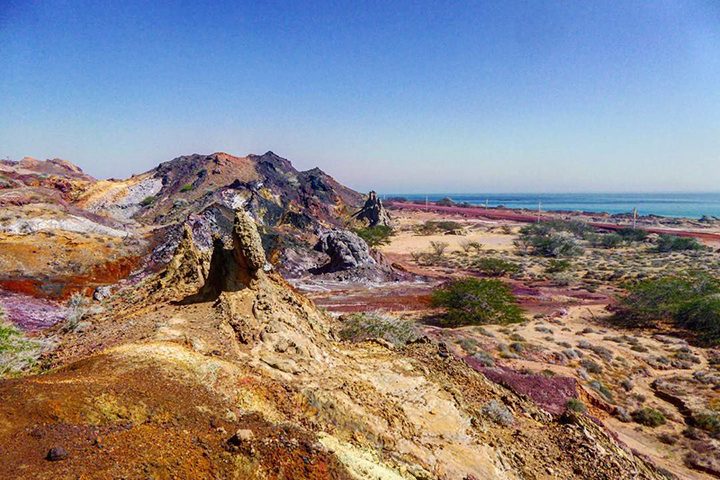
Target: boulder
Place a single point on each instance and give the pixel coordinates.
(345, 249)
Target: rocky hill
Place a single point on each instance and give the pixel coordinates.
(159, 339)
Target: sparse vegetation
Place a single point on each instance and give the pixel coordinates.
(551, 239)
(471, 301)
(496, 267)
(438, 248)
(672, 243)
(498, 413)
(434, 227)
(375, 236)
(689, 301)
(558, 266)
(18, 353)
(576, 405)
(359, 327)
(186, 188)
(632, 234)
(649, 417)
(147, 201)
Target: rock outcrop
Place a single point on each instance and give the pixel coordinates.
(345, 249)
(374, 212)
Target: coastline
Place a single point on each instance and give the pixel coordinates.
(683, 227)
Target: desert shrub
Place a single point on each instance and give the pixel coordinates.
(649, 417)
(558, 266)
(468, 246)
(18, 353)
(605, 240)
(563, 279)
(632, 234)
(498, 413)
(476, 301)
(187, 187)
(702, 315)
(710, 422)
(470, 345)
(359, 327)
(77, 308)
(438, 248)
(672, 243)
(602, 390)
(432, 227)
(147, 201)
(545, 239)
(484, 359)
(591, 365)
(375, 236)
(576, 228)
(649, 300)
(576, 405)
(496, 267)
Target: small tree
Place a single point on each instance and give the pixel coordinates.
(702, 315)
(472, 301)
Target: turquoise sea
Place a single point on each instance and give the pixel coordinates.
(691, 205)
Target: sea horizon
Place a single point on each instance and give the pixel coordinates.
(668, 204)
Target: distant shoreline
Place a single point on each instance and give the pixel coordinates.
(691, 206)
(683, 227)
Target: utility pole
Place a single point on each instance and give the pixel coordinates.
(539, 210)
(635, 215)
(426, 200)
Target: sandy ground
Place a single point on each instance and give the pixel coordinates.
(566, 317)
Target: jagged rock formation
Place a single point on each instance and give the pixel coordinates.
(349, 258)
(374, 212)
(345, 249)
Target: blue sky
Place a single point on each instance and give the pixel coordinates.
(435, 96)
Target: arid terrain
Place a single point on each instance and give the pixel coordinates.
(232, 317)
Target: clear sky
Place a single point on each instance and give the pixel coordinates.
(501, 96)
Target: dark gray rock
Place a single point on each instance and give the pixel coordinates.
(57, 453)
(374, 212)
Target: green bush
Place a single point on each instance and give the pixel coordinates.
(649, 417)
(18, 353)
(605, 240)
(359, 327)
(710, 422)
(576, 405)
(432, 227)
(672, 243)
(375, 236)
(187, 187)
(702, 315)
(472, 301)
(632, 234)
(551, 244)
(558, 266)
(147, 201)
(496, 267)
(650, 300)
